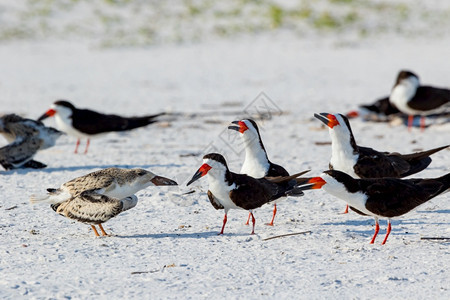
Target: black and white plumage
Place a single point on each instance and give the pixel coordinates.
(228, 190)
(256, 162)
(85, 123)
(101, 195)
(25, 137)
(364, 162)
(411, 98)
(380, 197)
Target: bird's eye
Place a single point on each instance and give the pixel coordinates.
(141, 173)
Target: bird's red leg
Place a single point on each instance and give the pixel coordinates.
(253, 221)
(103, 230)
(410, 122)
(76, 147)
(422, 123)
(346, 210)
(248, 220)
(274, 213)
(224, 222)
(377, 228)
(87, 146)
(95, 230)
(387, 232)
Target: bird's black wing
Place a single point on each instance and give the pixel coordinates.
(374, 164)
(92, 122)
(276, 170)
(435, 98)
(390, 197)
(251, 193)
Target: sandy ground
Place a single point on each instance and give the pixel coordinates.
(167, 246)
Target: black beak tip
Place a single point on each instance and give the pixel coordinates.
(43, 117)
(233, 127)
(323, 117)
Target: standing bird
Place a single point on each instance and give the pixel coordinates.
(85, 123)
(238, 191)
(364, 162)
(413, 99)
(256, 163)
(379, 197)
(25, 137)
(101, 195)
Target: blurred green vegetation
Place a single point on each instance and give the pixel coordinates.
(146, 22)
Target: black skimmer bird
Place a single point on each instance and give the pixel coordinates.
(256, 162)
(381, 107)
(85, 123)
(413, 99)
(101, 195)
(364, 162)
(25, 137)
(228, 190)
(379, 197)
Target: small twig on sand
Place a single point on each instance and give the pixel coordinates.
(435, 238)
(145, 272)
(11, 208)
(283, 235)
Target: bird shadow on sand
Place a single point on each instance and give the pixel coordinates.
(89, 167)
(439, 211)
(192, 235)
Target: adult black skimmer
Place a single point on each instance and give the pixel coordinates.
(256, 162)
(85, 123)
(381, 107)
(413, 99)
(101, 195)
(364, 162)
(25, 137)
(379, 197)
(228, 190)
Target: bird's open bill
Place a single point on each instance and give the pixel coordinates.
(202, 171)
(159, 180)
(239, 126)
(327, 119)
(312, 184)
(48, 113)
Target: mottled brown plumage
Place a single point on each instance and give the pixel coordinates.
(26, 137)
(101, 195)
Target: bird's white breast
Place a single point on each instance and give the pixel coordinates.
(65, 124)
(357, 200)
(342, 156)
(221, 192)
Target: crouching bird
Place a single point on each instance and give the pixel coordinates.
(379, 197)
(101, 195)
(25, 137)
(228, 190)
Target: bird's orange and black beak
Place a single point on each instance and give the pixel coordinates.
(49, 113)
(328, 119)
(313, 183)
(159, 180)
(202, 171)
(239, 126)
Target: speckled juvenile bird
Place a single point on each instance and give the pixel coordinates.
(25, 138)
(101, 195)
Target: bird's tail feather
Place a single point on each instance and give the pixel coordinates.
(54, 196)
(136, 122)
(422, 154)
